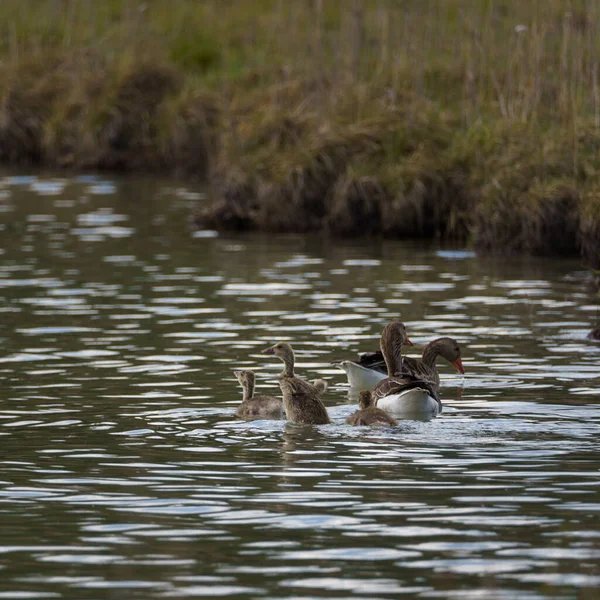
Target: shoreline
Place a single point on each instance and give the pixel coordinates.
(345, 119)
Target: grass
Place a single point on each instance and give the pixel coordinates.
(461, 119)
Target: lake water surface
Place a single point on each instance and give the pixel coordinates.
(123, 473)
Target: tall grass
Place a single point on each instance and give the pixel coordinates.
(447, 118)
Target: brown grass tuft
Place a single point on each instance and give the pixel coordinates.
(28, 95)
(83, 112)
(430, 199)
(544, 219)
(422, 119)
(355, 206)
(236, 207)
(589, 233)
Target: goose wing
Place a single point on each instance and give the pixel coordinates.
(372, 360)
(415, 367)
(304, 399)
(300, 387)
(395, 385)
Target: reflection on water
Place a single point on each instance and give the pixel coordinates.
(124, 475)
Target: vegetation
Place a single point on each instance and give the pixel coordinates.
(475, 119)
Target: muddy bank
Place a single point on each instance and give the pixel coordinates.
(347, 117)
(406, 174)
(79, 113)
(398, 171)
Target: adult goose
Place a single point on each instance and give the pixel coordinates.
(370, 368)
(425, 367)
(369, 414)
(403, 393)
(301, 400)
(421, 368)
(256, 407)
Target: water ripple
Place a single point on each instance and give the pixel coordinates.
(124, 470)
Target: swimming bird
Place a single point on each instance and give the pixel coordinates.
(369, 414)
(370, 368)
(301, 400)
(403, 393)
(256, 407)
(425, 367)
(420, 368)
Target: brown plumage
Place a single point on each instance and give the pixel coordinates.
(390, 343)
(425, 369)
(368, 414)
(594, 334)
(375, 360)
(256, 407)
(301, 400)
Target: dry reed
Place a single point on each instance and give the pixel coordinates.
(462, 118)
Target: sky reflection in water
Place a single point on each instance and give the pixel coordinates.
(124, 475)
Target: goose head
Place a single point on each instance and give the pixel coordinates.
(246, 379)
(283, 351)
(450, 350)
(365, 399)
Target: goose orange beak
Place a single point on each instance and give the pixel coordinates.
(407, 342)
(270, 350)
(457, 364)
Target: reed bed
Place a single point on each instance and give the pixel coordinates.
(459, 119)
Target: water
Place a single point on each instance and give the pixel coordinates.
(123, 473)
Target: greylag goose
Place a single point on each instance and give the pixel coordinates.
(402, 393)
(369, 414)
(425, 367)
(301, 400)
(370, 368)
(256, 407)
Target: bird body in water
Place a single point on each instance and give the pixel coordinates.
(403, 393)
(256, 407)
(371, 368)
(369, 414)
(301, 400)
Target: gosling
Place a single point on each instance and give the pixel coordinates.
(301, 400)
(256, 407)
(368, 414)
